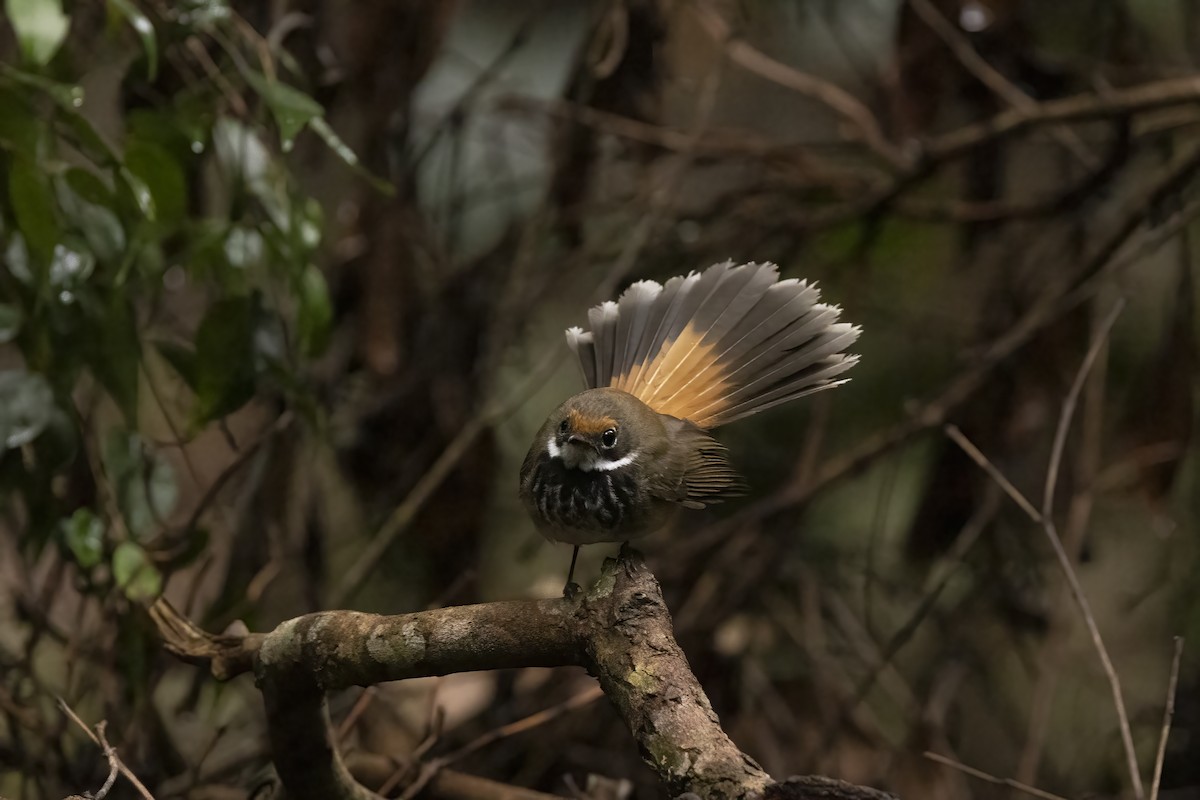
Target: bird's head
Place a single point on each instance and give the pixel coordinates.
(603, 430)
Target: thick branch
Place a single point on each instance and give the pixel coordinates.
(632, 650)
(338, 649)
(620, 630)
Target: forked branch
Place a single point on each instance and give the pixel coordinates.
(620, 631)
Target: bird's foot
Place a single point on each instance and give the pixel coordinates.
(572, 590)
(629, 558)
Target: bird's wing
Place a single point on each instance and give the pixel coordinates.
(707, 476)
(715, 346)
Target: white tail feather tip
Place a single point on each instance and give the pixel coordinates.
(577, 336)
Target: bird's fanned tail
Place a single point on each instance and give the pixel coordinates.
(716, 346)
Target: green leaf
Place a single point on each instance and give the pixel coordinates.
(224, 363)
(20, 128)
(33, 206)
(292, 108)
(40, 26)
(84, 535)
(244, 247)
(204, 15)
(181, 129)
(113, 352)
(315, 314)
(240, 152)
(182, 359)
(343, 151)
(69, 97)
(309, 227)
(134, 573)
(136, 188)
(153, 499)
(88, 205)
(10, 322)
(144, 484)
(71, 264)
(16, 259)
(26, 406)
(89, 187)
(142, 27)
(162, 177)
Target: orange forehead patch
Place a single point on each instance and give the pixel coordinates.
(588, 425)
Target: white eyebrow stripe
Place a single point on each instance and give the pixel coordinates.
(609, 466)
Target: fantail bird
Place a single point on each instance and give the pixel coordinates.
(663, 365)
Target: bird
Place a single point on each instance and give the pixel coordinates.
(663, 365)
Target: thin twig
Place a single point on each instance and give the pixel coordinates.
(452, 785)
(530, 722)
(983, 776)
(114, 764)
(404, 514)
(1111, 104)
(432, 769)
(965, 540)
(414, 760)
(1060, 552)
(841, 102)
(356, 711)
(1068, 409)
(976, 455)
(1168, 715)
(243, 456)
(1064, 560)
(1053, 649)
(992, 78)
(100, 742)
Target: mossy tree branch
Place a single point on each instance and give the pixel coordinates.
(620, 631)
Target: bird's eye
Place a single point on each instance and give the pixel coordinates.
(562, 428)
(609, 437)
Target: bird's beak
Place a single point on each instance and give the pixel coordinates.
(579, 452)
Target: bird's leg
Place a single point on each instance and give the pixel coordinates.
(570, 589)
(624, 555)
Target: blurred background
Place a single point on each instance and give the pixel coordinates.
(282, 292)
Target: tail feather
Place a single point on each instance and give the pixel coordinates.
(603, 319)
(787, 381)
(634, 309)
(792, 351)
(716, 346)
(685, 307)
(669, 310)
(729, 304)
(694, 310)
(779, 370)
(796, 316)
(816, 382)
(784, 303)
(583, 345)
(654, 315)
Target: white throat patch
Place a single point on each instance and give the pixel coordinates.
(587, 459)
